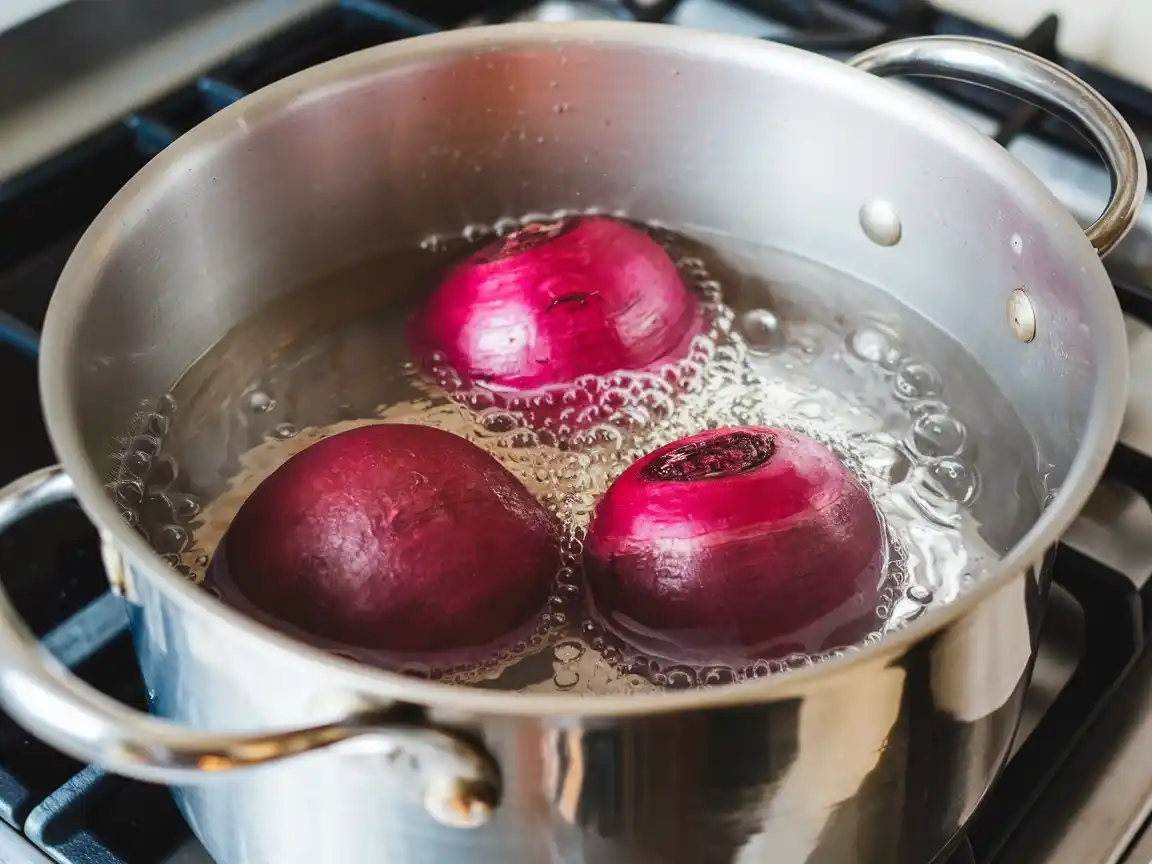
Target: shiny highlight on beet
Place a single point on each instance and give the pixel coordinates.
(733, 545)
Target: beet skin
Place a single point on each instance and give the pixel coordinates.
(733, 545)
(395, 538)
(552, 302)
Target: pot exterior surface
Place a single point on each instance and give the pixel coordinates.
(881, 762)
(883, 766)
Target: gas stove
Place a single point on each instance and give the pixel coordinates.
(1077, 790)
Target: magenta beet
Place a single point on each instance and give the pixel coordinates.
(395, 538)
(736, 544)
(553, 302)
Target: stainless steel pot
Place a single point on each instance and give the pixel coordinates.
(880, 756)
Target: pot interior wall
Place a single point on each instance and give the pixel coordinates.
(703, 133)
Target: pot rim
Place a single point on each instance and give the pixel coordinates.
(94, 248)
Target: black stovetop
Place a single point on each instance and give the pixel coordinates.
(76, 813)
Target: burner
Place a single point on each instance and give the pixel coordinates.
(963, 855)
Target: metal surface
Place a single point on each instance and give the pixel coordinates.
(460, 786)
(14, 849)
(129, 52)
(1049, 86)
(881, 223)
(223, 222)
(1141, 851)
(1104, 796)
(1021, 315)
(16, 12)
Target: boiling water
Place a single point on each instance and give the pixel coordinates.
(945, 460)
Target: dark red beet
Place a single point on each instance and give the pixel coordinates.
(556, 301)
(736, 544)
(395, 538)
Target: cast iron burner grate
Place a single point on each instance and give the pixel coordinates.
(76, 813)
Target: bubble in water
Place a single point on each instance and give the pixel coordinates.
(170, 540)
(680, 678)
(260, 402)
(566, 679)
(615, 397)
(138, 462)
(568, 592)
(909, 607)
(568, 651)
(479, 400)
(874, 345)
(157, 509)
(285, 430)
(920, 594)
(505, 226)
(798, 661)
(927, 406)
(130, 493)
(187, 507)
(902, 612)
(711, 290)
(880, 454)
(915, 380)
(542, 400)
(475, 232)
(157, 424)
(959, 480)
(498, 421)
(924, 492)
(145, 444)
(717, 676)
(166, 405)
(162, 475)
(523, 438)
(936, 435)
(433, 243)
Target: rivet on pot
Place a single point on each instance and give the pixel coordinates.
(1021, 315)
(114, 569)
(460, 803)
(880, 223)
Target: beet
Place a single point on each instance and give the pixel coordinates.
(733, 545)
(552, 302)
(395, 538)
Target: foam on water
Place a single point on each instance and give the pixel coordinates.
(882, 411)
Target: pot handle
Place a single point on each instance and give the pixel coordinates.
(461, 782)
(1044, 84)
